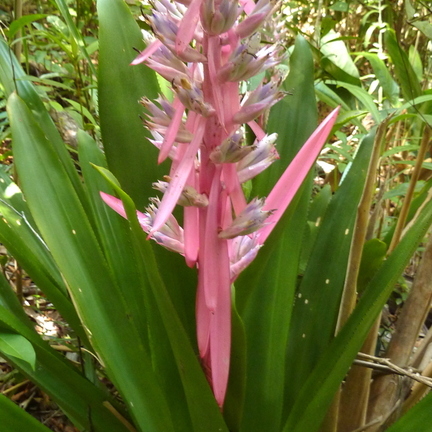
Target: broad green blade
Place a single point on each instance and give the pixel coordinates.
(267, 317)
(131, 157)
(403, 70)
(15, 419)
(128, 268)
(265, 291)
(16, 346)
(362, 96)
(317, 393)
(317, 302)
(203, 410)
(11, 75)
(113, 232)
(382, 73)
(100, 302)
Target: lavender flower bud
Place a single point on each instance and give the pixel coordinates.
(257, 102)
(192, 97)
(243, 251)
(220, 17)
(263, 155)
(189, 196)
(249, 220)
(231, 150)
(252, 22)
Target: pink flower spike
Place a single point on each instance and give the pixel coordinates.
(210, 253)
(215, 268)
(191, 235)
(179, 178)
(291, 180)
(187, 26)
(203, 318)
(220, 335)
(172, 130)
(144, 55)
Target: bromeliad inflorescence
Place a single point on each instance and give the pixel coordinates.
(204, 48)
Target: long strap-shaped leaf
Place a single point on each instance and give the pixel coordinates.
(203, 410)
(265, 291)
(130, 156)
(317, 392)
(10, 76)
(320, 290)
(100, 303)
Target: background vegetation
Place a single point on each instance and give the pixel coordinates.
(363, 246)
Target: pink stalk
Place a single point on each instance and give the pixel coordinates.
(204, 52)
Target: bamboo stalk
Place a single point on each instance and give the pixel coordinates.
(354, 396)
(386, 390)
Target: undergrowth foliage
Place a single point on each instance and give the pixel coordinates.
(248, 296)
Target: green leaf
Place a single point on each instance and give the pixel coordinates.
(63, 382)
(318, 296)
(19, 235)
(336, 51)
(389, 85)
(76, 34)
(403, 69)
(100, 302)
(20, 23)
(15, 419)
(317, 393)
(11, 75)
(362, 96)
(416, 418)
(374, 252)
(266, 289)
(130, 156)
(17, 346)
(205, 414)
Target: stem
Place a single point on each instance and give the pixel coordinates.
(354, 397)
(349, 296)
(18, 13)
(387, 390)
(410, 192)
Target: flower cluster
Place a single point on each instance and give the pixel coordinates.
(205, 48)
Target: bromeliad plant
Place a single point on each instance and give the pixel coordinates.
(265, 275)
(205, 51)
